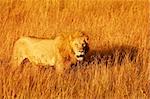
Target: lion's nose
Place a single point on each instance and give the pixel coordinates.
(81, 51)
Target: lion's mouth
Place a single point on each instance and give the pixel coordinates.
(80, 57)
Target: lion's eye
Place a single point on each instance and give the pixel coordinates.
(84, 45)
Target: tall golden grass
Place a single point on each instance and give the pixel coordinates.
(113, 27)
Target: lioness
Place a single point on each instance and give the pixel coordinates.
(60, 52)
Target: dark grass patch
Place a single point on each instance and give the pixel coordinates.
(115, 55)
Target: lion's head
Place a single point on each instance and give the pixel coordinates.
(79, 45)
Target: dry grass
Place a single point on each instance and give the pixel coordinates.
(116, 29)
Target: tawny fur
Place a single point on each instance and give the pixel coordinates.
(56, 52)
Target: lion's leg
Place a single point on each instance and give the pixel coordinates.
(17, 60)
(17, 57)
(59, 68)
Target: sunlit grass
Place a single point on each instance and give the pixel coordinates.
(114, 27)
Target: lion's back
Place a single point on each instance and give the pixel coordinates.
(44, 51)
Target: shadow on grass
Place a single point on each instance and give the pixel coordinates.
(114, 55)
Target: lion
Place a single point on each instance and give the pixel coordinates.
(60, 52)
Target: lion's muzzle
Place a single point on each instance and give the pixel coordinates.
(80, 55)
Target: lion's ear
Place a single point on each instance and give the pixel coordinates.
(85, 35)
(86, 38)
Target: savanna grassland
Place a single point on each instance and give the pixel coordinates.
(116, 67)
